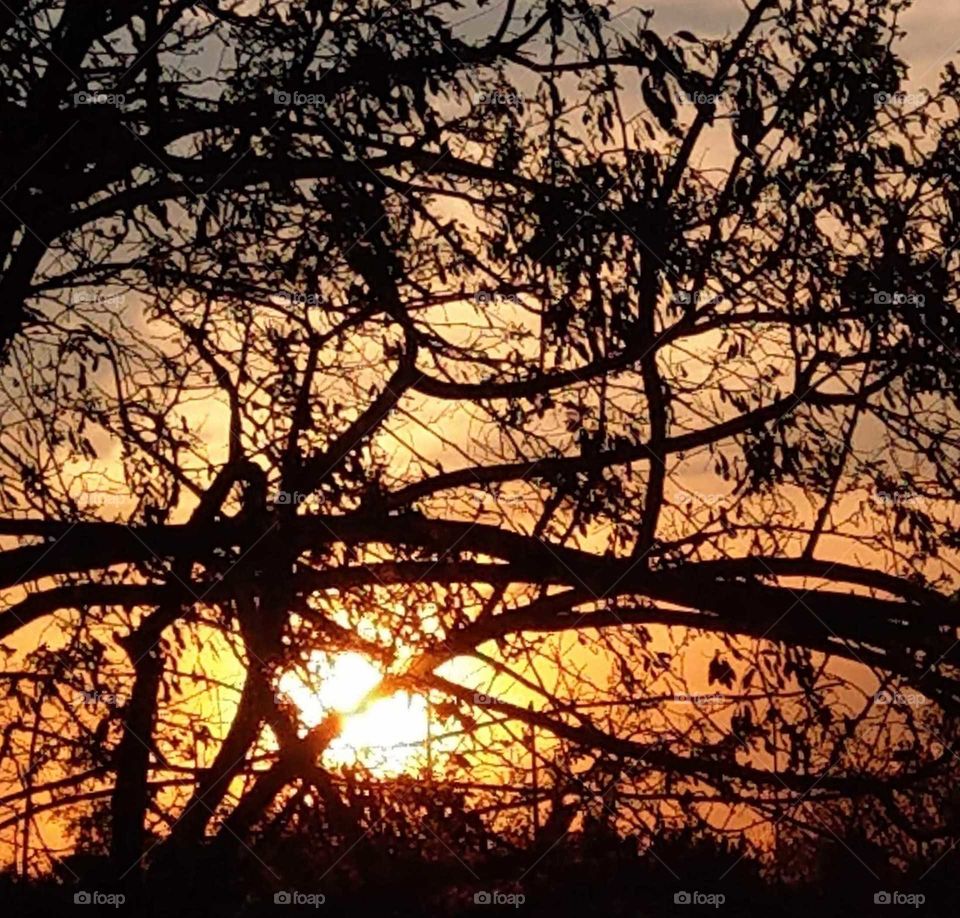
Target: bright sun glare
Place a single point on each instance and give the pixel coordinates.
(385, 737)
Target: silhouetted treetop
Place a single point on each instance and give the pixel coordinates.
(597, 384)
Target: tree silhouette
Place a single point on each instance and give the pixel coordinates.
(598, 384)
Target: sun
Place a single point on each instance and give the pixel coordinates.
(388, 736)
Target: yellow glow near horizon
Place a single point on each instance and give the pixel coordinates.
(386, 736)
